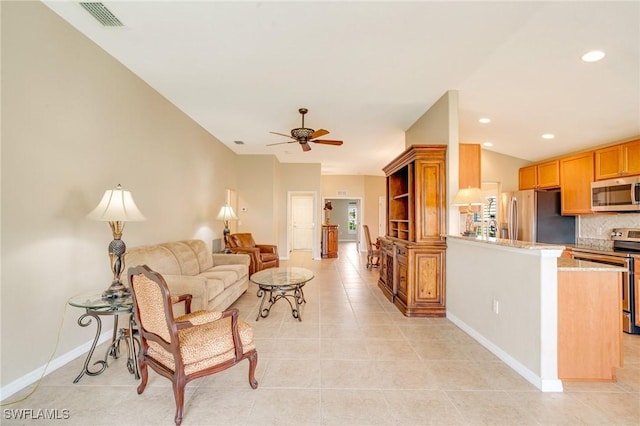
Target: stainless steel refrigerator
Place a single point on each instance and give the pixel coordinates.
(535, 216)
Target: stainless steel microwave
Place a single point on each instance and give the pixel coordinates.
(616, 195)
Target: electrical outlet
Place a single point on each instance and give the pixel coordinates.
(496, 307)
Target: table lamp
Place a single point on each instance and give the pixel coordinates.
(226, 214)
(116, 207)
(469, 197)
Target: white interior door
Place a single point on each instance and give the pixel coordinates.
(302, 222)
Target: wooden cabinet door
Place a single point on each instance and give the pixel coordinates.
(430, 217)
(576, 175)
(427, 284)
(528, 177)
(469, 159)
(549, 174)
(632, 154)
(609, 162)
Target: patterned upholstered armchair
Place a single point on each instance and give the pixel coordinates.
(189, 346)
(263, 256)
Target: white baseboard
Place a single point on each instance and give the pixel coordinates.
(544, 385)
(32, 377)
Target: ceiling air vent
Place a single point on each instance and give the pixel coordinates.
(102, 14)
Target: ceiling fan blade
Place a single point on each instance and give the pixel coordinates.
(280, 143)
(328, 142)
(318, 133)
(282, 134)
(305, 147)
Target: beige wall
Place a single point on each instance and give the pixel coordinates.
(257, 180)
(298, 178)
(439, 125)
(501, 168)
(368, 188)
(75, 123)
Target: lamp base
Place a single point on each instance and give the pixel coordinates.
(469, 234)
(116, 290)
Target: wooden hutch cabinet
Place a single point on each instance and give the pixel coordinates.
(412, 260)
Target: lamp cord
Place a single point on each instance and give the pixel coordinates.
(46, 366)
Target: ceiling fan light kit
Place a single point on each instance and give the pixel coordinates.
(304, 135)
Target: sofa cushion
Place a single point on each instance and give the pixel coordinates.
(228, 278)
(204, 255)
(241, 271)
(156, 257)
(215, 286)
(186, 257)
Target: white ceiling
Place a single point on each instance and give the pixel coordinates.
(368, 70)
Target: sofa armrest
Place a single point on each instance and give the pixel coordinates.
(267, 248)
(187, 284)
(231, 259)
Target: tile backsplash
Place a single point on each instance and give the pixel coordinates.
(595, 230)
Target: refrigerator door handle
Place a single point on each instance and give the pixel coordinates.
(513, 218)
(509, 221)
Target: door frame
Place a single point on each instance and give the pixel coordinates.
(315, 239)
(359, 244)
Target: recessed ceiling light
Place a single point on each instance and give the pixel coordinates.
(485, 120)
(593, 56)
(548, 136)
(487, 144)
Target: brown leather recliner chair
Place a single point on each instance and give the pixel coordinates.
(263, 256)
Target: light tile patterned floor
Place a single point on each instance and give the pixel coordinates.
(353, 360)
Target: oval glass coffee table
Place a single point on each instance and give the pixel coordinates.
(281, 283)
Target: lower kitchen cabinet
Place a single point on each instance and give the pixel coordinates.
(637, 290)
(589, 325)
(412, 277)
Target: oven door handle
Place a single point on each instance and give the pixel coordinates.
(601, 259)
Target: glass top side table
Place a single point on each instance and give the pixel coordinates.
(278, 283)
(95, 307)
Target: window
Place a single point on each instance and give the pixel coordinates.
(352, 219)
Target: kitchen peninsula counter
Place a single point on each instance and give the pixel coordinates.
(511, 297)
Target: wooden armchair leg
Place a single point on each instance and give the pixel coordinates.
(253, 362)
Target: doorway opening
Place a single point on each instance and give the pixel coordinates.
(347, 213)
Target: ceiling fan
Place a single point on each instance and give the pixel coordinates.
(304, 135)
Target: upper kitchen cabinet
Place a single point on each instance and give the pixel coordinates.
(618, 160)
(469, 158)
(576, 175)
(540, 176)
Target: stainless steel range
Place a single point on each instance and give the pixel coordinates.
(625, 253)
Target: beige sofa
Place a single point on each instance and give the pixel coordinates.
(215, 280)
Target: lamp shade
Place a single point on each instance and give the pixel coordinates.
(469, 197)
(117, 206)
(227, 213)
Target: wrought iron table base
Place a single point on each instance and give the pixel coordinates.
(282, 292)
(113, 350)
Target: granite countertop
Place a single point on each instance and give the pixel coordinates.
(509, 243)
(567, 265)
